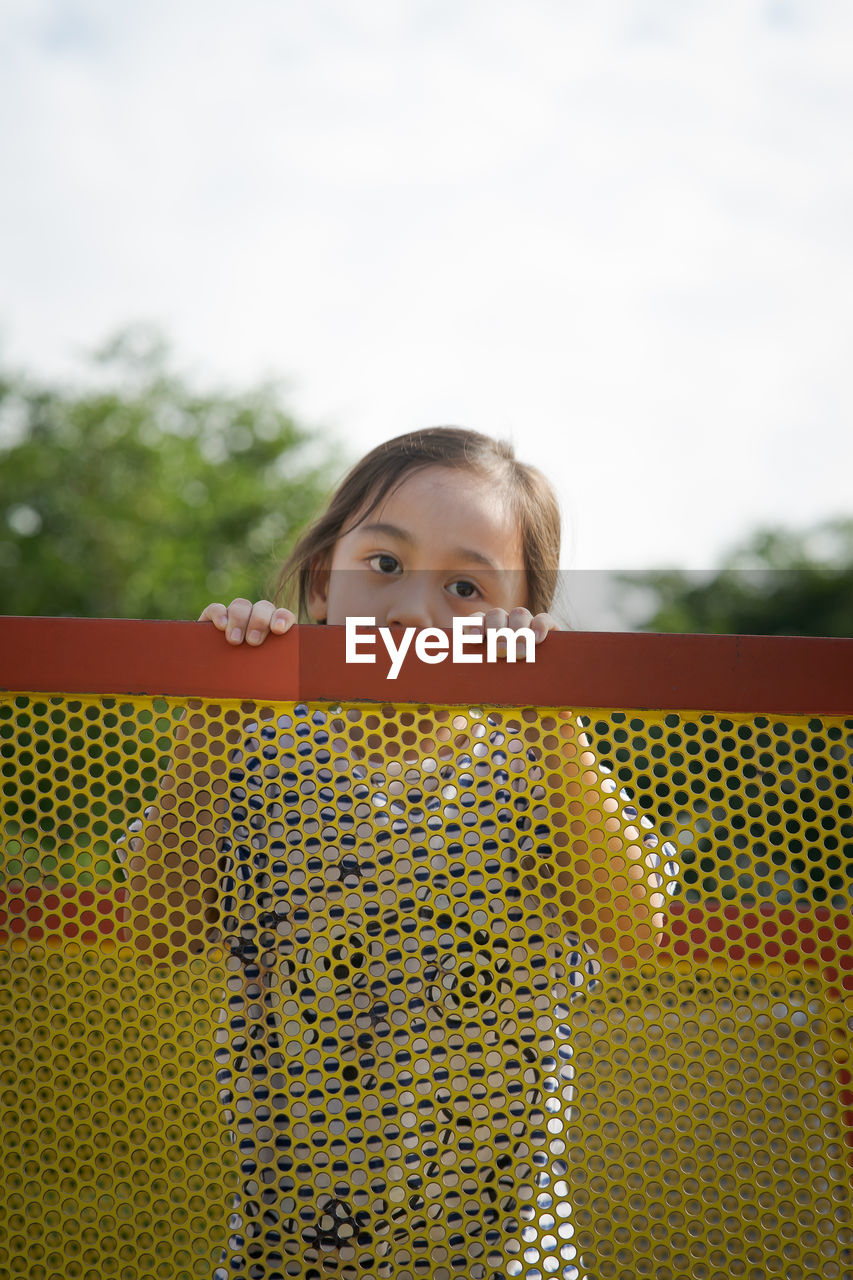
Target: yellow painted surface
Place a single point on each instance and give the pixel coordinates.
(392, 992)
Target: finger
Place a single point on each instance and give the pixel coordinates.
(478, 635)
(281, 621)
(239, 613)
(516, 619)
(519, 617)
(266, 618)
(495, 618)
(217, 614)
(258, 624)
(542, 624)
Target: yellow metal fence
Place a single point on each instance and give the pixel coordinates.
(386, 991)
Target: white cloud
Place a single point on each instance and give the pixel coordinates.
(620, 232)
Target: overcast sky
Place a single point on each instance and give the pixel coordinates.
(619, 232)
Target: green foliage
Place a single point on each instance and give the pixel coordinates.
(779, 583)
(137, 496)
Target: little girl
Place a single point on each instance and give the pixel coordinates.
(428, 526)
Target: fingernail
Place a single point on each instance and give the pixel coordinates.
(236, 636)
(254, 637)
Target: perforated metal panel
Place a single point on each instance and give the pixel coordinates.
(371, 991)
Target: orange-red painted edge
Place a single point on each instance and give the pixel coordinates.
(740, 674)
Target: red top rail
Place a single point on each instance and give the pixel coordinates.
(738, 674)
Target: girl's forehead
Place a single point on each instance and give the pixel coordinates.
(452, 510)
(435, 483)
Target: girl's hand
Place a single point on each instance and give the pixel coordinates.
(252, 621)
(540, 625)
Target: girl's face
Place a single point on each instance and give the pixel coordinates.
(442, 543)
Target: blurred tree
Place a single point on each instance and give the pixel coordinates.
(137, 496)
(780, 582)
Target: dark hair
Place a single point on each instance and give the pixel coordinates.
(531, 496)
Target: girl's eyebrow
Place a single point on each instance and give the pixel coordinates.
(464, 554)
(386, 531)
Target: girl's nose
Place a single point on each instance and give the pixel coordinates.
(411, 606)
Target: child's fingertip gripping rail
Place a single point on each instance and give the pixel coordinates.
(306, 974)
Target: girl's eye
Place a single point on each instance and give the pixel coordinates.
(385, 564)
(464, 589)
